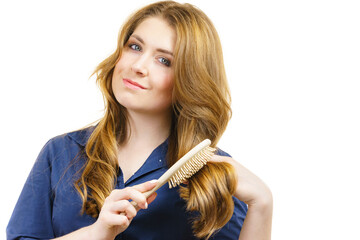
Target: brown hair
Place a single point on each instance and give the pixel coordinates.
(201, 109)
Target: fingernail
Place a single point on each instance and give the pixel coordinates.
(146, 205)
(153, 181)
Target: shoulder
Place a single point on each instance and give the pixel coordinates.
(222, 153)
(65, 146)
(79, 137)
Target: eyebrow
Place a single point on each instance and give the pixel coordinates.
(157, 49)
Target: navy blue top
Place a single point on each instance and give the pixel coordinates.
(49, 206)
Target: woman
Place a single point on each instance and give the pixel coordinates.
(165, 90)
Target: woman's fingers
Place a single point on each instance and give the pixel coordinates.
(117, 212)
(127, 194)
(151, 198)
(120, 216)
(123, 206)
(135, 193)
(114, 218)
(146, 186)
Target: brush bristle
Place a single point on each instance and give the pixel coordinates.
(192, 166)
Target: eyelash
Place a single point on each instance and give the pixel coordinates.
(132, 45)
(162, 60)
(166, 63)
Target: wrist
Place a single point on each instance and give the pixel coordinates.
(96, 232)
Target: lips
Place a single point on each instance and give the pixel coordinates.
(132, 85)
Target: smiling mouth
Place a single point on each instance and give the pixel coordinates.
(132, 85)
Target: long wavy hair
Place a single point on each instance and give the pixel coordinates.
(201, 109)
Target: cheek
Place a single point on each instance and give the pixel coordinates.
(167, 89)
(123, 62)
(119, 65)
(163, 95)
(168, 83)
(117, 72)
(114, 83)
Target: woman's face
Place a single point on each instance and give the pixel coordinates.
(143, 78)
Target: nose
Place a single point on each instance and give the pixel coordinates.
(140, 65)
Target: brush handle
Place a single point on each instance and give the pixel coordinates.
(174, 168)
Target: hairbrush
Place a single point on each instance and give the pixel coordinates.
(185, 167)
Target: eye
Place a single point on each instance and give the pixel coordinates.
(135, 47)
(164, 61)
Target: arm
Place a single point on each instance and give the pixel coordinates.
(254, 192)
(257, 224)
(31, 218)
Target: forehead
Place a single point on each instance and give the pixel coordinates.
(155, 31)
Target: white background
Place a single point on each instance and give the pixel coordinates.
(294, 72)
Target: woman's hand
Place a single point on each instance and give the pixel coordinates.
(117, 212)
(254, 192)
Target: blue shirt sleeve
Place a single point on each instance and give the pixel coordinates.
(31, 218)
(231, 230)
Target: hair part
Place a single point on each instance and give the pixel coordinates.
(201, 109)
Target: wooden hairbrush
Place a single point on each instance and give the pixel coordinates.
(185, 167)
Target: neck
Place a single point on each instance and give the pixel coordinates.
(148, 129)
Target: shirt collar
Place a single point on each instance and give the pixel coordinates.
(82, 136)
(156, 160)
